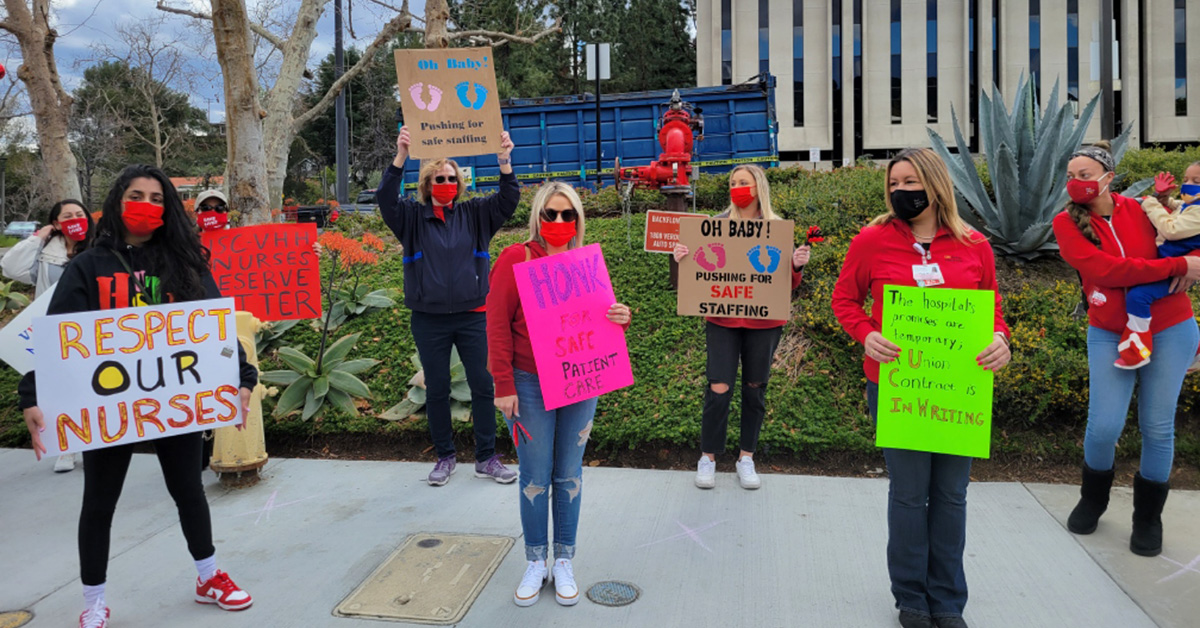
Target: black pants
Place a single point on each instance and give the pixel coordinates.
(755, 348)
(435, 335)
(103, 476)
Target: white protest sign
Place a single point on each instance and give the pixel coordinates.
(113, 377)
(16, 339)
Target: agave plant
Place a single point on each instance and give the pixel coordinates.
(310, 383)
(270, 335)
(414, 401)
(356, 301)
(11, 299)
(1027, 154)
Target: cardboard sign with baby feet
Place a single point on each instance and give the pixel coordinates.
(450, 102)
(736, 268)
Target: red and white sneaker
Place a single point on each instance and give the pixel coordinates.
(1134, 350)
(221, 590)
(94, 617)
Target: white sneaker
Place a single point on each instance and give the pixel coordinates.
(531, 584)
(565, 590)
(706, 473)
(64, 463)
(747, 477)
(95, 617)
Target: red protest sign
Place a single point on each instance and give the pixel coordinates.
(662, 230)
(271, 271)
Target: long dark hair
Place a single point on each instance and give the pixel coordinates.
(174, 252)
(73, 248)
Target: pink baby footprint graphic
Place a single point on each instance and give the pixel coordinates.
(414, 91)
(435, 97)
(718, 251)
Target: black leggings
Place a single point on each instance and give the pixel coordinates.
(104, 475)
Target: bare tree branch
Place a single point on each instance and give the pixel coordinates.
(499, 39)
(257, 28)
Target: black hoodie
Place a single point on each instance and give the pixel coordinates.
(96, 280)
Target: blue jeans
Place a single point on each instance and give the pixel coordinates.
(1111, 389)
(927, 527)
(550, 450)
(1139, 298)
(436, 335)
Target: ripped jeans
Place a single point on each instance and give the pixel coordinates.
(550, 446)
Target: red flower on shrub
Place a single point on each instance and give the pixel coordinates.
(814, 235)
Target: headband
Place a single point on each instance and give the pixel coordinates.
(1099, 154)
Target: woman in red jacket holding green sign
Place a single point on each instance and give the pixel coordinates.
(921, 241)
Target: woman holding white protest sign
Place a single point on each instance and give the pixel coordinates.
(549, 443)
(39, 260)
(446, 260)
(749, 341)
(920, 241)
(146, 252)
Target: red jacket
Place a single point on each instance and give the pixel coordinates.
(1127, 256)
(508, 335)
(757, 323)
(884, 255)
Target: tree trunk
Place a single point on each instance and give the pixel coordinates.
(247, 180)
(51, 104)
(437, 13)
(158, 135)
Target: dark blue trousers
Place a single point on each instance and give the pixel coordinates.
(436, 335)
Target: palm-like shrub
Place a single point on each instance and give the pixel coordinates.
(1027, 154)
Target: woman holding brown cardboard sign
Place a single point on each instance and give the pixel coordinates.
(446, 264)
(731, 340)
(921, 241)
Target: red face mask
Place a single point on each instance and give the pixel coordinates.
(142, 218)
(1083, 192)
(75, 229)
(444, 193)
(741, 196)
(558, 234)
(212, 221)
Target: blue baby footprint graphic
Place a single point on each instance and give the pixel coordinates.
(774, 254)
(481, 94)
(754, 255)
(461, 90)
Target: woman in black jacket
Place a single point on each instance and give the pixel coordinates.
(446, 264)
(144, 231)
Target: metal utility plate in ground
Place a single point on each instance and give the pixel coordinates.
(429, 579)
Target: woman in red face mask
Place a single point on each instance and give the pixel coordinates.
(550, 443)
(750, 341)
(212, 211)
(39, 260)
(1111, 242)
(446, 261)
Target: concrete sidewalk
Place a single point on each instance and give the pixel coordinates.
(802, 551)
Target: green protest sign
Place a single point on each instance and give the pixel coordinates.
(935, 397)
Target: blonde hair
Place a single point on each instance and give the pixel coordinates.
(548, 191)
(430, 169)
(935, 178)
(762, 188)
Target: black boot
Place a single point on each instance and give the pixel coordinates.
(1148, 500)
(1093, 500)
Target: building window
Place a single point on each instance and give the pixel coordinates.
(726, 42)
(995, 42)
(931, 70)
(1181, 103)
(1073, 54)
(839, 129)
(973, 71)
(1035, 47)
(798, 61)
(857, 85)
(764, 38)
(897, 105)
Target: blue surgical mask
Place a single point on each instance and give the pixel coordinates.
(1189, 193)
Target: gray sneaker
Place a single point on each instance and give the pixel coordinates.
(442, 471)
(493, 468)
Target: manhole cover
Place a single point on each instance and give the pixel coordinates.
(12, 619)
(430, 579)
(613, 593)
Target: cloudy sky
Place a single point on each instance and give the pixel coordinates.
(85, 26)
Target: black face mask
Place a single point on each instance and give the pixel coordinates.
(908, 204)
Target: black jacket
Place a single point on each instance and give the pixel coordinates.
(446, 263)
(96, 280)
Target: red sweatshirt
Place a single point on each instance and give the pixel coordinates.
(884, 255)
(508, 335)
(1127, 256)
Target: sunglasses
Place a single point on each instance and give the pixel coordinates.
(551, 215)
(213, 208)
(444, 178)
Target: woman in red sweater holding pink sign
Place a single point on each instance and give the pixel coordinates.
(921, 241)
(549, 443)
(731, 340)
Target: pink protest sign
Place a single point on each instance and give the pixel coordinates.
(580, 354)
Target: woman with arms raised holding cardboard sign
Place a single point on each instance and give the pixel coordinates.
(446, 286)
(749, 341)
(549, 443)
(921, 241)
(1111, 242)
(146, 252)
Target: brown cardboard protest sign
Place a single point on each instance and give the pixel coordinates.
(662, 230)
(450, 102)
(736, 268)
